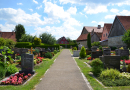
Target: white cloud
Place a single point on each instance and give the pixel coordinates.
(81, 13)
(101, 23)
(58, 31)
(114, 10)
(72, 10)
(109, 16)
(19, 4)
(31, 10)
(13, 16)
(125, 12)
(7, 27)
(35, 1)
(93, 22)
(127, 2)
(95, 8)
(39, 7)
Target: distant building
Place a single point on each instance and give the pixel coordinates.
(120, 25)
(105, 33)
(62, 40)
(96, 34)
(8, 35)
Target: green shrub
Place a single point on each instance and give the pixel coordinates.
(11, 69)
(37, 41)
(35, 62)
(88, 56)
(110, 74)
(100, 48)
(113, 48)
(97, 66)
(82, 52)
(2, 70)
(96, 43)
(48, 55)
(2, 42)
(55, 52)
(74, 48)
(128, 69)
(10, 43)
(36, 51)
(18, 57)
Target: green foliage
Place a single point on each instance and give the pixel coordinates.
(88, 56)
(113, 48)
(2, 42)
(89, 41)
(37, 41)
(82, 52)
(2, 70)
(35, 62)
(10, 43)
(27, 38)
(68, 45)
(117, 82)
(11, 69)
(110, 74)
(19, 31)
(55, 52)
(71, 41)
(97, 66)
(74, 48)
(100, 48)
(96, 43)
(124, 57)
(47, 38)
(48, 55)
(18, 57)
(23, 44)
(128, 69)
(36, 51)
(126, 38)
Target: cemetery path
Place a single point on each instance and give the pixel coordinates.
(63, 75)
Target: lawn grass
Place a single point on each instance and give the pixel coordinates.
(95, 85)
(40, 71)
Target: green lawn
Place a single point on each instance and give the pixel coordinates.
(95, 85)
(40, 71)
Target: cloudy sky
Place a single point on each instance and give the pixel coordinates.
(59, 17)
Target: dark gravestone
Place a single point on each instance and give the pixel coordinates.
(122, 52)
(23, 51)
(40, 49)
(52, 49)
(96, 54)
(94, 48)
(27, 64)
(106, 52)
(111, 61)
(49, 50)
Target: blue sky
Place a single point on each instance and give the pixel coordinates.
(59, 17)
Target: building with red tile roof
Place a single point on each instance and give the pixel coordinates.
(96, 33)
(8, 35)
(120, 25)
(62, 40)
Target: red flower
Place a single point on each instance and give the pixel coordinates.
(89, 58)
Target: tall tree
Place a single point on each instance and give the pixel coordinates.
(47, 38)
(19, 31)
(89, 41)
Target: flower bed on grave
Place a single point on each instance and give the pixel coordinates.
(17, 79)
(126, 61)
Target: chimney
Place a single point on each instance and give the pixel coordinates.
(99, 26)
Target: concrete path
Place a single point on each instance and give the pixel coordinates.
(63, 75)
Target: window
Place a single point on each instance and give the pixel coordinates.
(62, 42)
(106, 34)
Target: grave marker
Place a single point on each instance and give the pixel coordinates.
(31, 50)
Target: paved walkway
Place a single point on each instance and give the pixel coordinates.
(63, 75)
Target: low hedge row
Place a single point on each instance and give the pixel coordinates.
(68, 45)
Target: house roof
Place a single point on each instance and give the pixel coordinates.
(89, 29)
(82, 37)
(8, 35)
(108, 26)
(58, 41)
(125, 20)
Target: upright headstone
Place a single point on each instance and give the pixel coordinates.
(96, 54)
(94, 48)
(106, 52)
(122, 52)
(27, 64)
(111, 61)
(80, 46)
(52, 49)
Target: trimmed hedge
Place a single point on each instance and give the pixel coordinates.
(69, 45)
(29, 45)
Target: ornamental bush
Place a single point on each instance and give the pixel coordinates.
(82, 52)
(55, 52)
(48, 55)
(11, 69)
(10, 43)
(74, 48)
(96, 43)
(37, 41)
(2, 42)
(97, 66)
(89, 41)
(36, 51)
